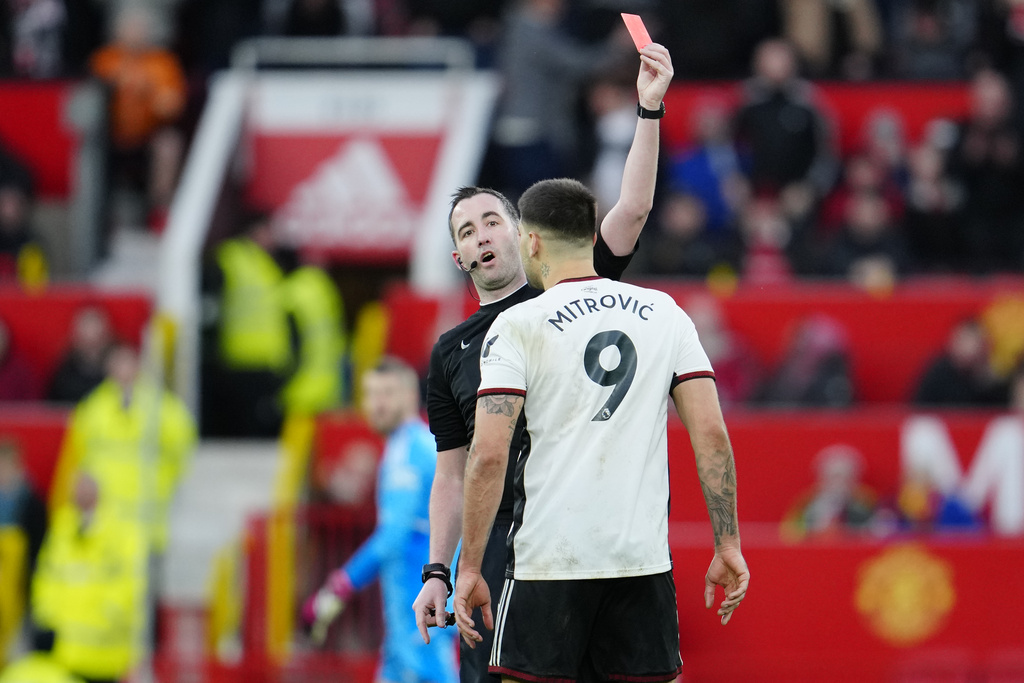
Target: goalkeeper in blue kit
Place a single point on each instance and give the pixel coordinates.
(398, 547)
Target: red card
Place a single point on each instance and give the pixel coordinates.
(637, 30)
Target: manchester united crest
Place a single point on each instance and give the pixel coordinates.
(905, 594)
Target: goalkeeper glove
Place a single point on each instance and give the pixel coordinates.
(324, 606)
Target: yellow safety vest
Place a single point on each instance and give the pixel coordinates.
(37, 667)
(312, 298)
(254, 332)
(107, 439)
(90, 589)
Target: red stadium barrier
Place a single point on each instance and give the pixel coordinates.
(38, 431)
(893, 336)
(775, 454)
(848, 106)
(40, 323)
(34, 125)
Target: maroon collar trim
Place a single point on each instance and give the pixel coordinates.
(579, 279)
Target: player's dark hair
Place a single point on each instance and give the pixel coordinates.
(472, 191)
(563, 206)
(392, 365)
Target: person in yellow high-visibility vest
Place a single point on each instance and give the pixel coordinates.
(89, 588)
(121, 426)
(314, 303)
(37, 667)
(248, 343)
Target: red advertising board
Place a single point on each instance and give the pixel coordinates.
(355, 164)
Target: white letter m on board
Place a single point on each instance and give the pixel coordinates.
(996, 472)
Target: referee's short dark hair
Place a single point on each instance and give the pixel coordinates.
(471, 191)
(562, 206)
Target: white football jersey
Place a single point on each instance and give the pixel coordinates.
(596, 360)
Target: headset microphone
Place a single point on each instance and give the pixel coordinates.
(472, 265)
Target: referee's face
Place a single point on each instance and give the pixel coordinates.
(487, 237)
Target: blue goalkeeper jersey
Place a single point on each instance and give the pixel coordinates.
(396, 552)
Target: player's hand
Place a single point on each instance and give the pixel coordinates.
(729, 570)
(655, 75)
(321, 608)
(429, 607)
(471, 592)
(324, 606)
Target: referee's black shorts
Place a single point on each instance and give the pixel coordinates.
(622, 629)
(473, 661)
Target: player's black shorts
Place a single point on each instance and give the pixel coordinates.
(623, 629)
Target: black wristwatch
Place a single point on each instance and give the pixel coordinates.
(437, 570)
(650, 113)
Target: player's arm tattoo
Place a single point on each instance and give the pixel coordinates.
(503, 404)
(717, 471)
(500, 404)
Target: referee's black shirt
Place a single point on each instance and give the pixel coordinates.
(454, 374)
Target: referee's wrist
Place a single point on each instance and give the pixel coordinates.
(655, 112)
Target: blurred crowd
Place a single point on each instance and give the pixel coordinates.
(761, 193)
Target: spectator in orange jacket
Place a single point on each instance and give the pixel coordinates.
(147, 97)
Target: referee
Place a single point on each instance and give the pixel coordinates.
(484, 228)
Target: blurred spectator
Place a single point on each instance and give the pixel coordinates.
(834, 39)
(712, 168)
(542, 67)
(18, 380)
(20, 504)
(1016, 389)
(247, 346)
(884, 142)
(962, 375)
(770, 249)
(921, 506)
(314, 18)
(37, 666)
(135, 439)
(714, 38)
(611, 101)
(316, 313)
(931, 39)
(839, 500)
(1003, 320)
(934, 216)
(987, 160)
(83, 365)
(780, 125)
(869, 250)
(35, 30)
(682, 244)
(208, 30)
(88, 19)
(89, 589)
(147, 96)
(22, 257)
(478, 20)
(861, 173)
(737, 370)
(815, 369)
